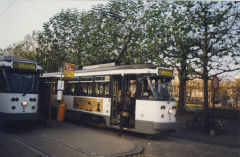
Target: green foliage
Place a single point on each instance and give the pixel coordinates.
(103, 34)
(195, 37)
(168, 33)
(185, 35)
(60, 41)
(25, 49)
(113, 32)
(217, 36)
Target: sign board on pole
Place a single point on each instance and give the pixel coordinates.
(215, 82)
(59, 94)
(60, 85)
(60, 88)
(69, 70)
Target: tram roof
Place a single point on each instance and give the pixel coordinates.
(114, 70)
(16, 60)
(7, 62)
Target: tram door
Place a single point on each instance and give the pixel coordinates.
(116, 93)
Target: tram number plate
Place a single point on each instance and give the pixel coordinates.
(26, 66)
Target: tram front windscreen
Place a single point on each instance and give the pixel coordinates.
(157, 88)
(22, 81)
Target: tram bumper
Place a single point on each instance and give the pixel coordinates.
(18, 116)
(154, 127)
(166, 127)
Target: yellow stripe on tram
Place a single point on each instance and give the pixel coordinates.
(196, 105)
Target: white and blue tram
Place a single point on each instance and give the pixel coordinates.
(95, 91)
(18, 89)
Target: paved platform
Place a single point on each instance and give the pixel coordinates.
(66, 139)
(90, 139)
(229, 137)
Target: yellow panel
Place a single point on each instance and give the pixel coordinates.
(27, 66)
(69, 70)
(69, 73)
(88, 104)
(164, 72)
(107, 78)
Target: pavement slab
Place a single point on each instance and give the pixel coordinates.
(64, 139)
(229, 137)
(89, 139)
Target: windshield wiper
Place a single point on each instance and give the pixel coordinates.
(28, 87)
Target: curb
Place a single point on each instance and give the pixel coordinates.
(139, 149)
(206, 141)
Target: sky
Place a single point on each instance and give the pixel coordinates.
(21, 17)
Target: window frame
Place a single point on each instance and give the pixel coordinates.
(69, 84)
(86, 82)
(105, 82)
(4, 81)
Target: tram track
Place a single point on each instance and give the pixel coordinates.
(32, 142)
(68, 145)
(42, 153)
(21, 141)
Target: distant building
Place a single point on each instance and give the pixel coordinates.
(228, 94)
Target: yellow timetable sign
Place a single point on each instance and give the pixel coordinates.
(69, 70)
(26, 66)
(165, 72)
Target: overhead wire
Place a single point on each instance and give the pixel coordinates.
(6, 9)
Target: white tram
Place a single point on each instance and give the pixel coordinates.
(95, 91)
(18, 89)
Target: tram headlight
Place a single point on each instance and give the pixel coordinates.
(170, 111)
(24, 103)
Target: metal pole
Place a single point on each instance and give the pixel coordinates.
(50, 103)
(214, 94)
(59, 101)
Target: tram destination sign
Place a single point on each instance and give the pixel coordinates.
(26, 66)
(165, 72)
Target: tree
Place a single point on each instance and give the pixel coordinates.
(105, 33)
(216, 26)
(25, 49)
(3, 52)
(235, 92)
(168, 36)
(60, 40)
(114, 32)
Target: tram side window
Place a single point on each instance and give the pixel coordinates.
(85, 88)
(145, 89)
(71, 89)
(3, 84)
(102, 85)
(101, 89)
(54, 88)
(132, 87)
(86, 85)
(90, 86)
